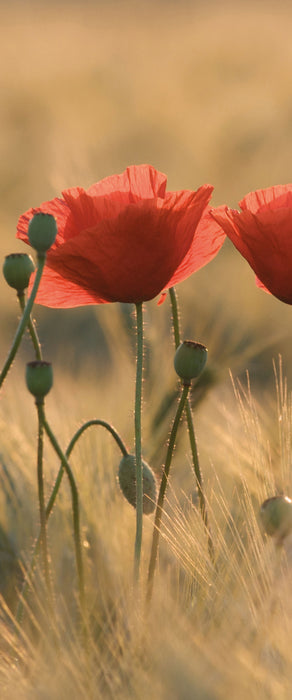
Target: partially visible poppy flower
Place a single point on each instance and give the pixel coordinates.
(124, 239)
(262, 232)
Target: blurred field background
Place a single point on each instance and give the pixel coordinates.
(202, 91)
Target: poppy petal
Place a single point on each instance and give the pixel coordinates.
(207, 241)
(140, 181)
(58, 208)
(56, 292)
(262, 232)
(125, 239)
(271, 197)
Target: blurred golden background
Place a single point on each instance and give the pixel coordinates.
(201, 90)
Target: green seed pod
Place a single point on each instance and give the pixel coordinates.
(276, 516)
(42, 231)
(127, 481)
(17, 269)
(190, 359)
(39, 378)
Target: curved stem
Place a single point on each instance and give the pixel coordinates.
(43, 525)
(25, 318)
(54, 494)
(163, 484)
(69, 449)
(138, 443)
(31, 328)
(192, 437)
(103, 424)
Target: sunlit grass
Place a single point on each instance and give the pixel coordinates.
(232, 618)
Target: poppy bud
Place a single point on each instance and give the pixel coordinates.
(42, 231)
(189, 360)
(127, 481)
(17, 269)
(39, 378)
(276, 516)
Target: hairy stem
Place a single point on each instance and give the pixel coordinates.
(31, 328)
(160, 500)
(138, 443)
(75, 510)
(199, 480)
(53, 496)
(25, 318)
(42, 509)
(191, 430)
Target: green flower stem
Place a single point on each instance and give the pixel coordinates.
(53, 496)
(196, 465)
(25, 317)
(103, 424)
(75, 510)
(175, 316)
(31, 328)
(163, 484)
(43, 522)
(138, 441)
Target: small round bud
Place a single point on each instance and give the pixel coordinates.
(276, 516)
(190, 359)
(42, 231)
(17, 269)
(127, 481)
(39, 378)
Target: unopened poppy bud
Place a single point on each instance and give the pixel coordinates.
(39, 378)
(190, 359)
(127, 481)
(42, 231)
(17, 269)
(276, 516)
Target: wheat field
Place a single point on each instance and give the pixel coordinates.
(201, 90)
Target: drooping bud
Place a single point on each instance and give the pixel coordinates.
(17, 269)
(42, 231)
(39, 378)
(127, 481)
(189, 360)
(276, 516)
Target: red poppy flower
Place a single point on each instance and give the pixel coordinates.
(262, 232)
(124, 239)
